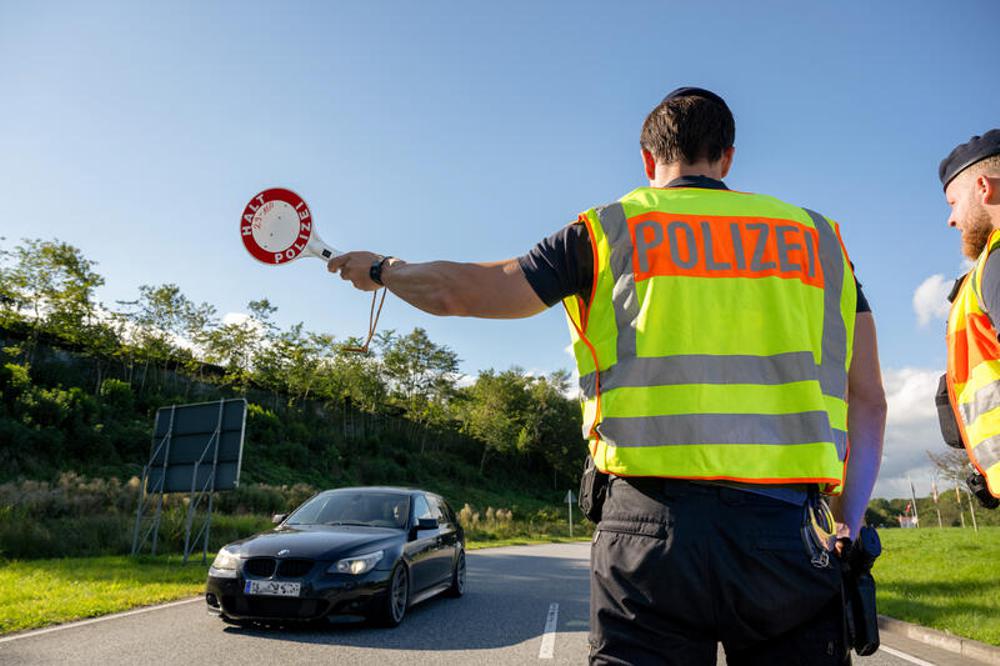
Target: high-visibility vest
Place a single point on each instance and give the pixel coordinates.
(717, 339)
(974, 372)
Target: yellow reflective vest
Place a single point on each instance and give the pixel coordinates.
(717, 339)
(974, 372)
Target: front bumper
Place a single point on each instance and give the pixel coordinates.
(321, 595)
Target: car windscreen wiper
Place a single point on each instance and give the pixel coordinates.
(349, 522)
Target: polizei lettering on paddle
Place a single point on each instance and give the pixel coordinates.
(701, 246)
(264, 224)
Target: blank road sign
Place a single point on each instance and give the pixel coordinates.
(208, 434)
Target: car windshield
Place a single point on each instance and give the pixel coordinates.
(354, 508)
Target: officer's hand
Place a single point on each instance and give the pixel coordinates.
(355, 266)
(843, 538)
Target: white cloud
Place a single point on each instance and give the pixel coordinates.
(930, 300)
(237, 318)
(911, 430)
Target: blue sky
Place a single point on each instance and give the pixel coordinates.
(446, 130)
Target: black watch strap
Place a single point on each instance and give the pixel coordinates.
(375, 272)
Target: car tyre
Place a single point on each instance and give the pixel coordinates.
(457, 588)
(397, 598)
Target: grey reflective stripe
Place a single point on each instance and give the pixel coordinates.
(833, 365)
(840, 440)
(983, 400)
(704, 369)
(987, 452)
(688, 429)
(624, 298)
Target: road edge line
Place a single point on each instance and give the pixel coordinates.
(94, 620)
(547, 650)
(966, 647)
(905, 656)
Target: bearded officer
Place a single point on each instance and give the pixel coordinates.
(971, 179)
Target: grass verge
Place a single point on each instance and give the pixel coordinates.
(37, 593)
(942, 578)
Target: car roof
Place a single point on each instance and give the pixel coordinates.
(377, 489)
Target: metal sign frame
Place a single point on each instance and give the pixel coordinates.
(155, 477)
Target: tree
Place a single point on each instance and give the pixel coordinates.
(494, 412)
(56, 284)
(952, 464)
(422, 377)
(158, 320)
(552, 426)
(238, 344)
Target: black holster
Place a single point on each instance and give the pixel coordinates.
(859, 592)
(593, 490)
(946, 416)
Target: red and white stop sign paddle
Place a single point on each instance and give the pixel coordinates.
(277, 227)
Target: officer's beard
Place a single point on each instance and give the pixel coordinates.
(977, 232)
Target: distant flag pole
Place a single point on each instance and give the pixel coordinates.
(958, 502)
(972, 512)
(934, 494)
(913, 496)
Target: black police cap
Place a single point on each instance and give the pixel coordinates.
(974, 150)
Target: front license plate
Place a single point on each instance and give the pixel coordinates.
(272, 588)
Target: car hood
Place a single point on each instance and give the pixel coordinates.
(318, 542)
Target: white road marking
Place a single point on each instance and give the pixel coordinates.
(549, 637)
(906, 657)
(104, 618)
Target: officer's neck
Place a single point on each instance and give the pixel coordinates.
(665, 173)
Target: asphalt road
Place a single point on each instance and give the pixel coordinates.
(524, 604)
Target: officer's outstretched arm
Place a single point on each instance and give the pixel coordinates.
(495, 290)
(866, 410)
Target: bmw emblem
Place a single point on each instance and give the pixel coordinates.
(283, 551)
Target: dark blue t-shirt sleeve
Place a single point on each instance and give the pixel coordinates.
(863, 305)
(561, 265)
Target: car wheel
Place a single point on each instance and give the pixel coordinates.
(457, 588)
(397, 597)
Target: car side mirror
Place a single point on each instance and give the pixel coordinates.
(279, 518)
(427, 524)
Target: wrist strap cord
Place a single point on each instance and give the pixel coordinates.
(373, 316)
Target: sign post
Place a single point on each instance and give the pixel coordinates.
(570, 498)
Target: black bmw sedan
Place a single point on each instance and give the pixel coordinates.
(370, 552)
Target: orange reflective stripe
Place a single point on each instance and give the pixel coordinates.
(585, 308)
(958, 352)
(714, 246)
(985, 346)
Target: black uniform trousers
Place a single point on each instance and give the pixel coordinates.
(677, 567)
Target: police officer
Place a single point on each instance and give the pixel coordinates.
(971, 179)
(717, 335)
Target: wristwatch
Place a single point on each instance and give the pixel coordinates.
(375, 272)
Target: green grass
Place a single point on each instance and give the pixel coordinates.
(947, 579)
(522, 541)
(36, 593)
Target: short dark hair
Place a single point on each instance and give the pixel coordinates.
(689, 128)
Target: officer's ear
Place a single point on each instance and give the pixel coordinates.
(727, 160)
(986, 189)
(649, 164)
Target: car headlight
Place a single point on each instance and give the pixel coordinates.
(358, 564)
(225, 564)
